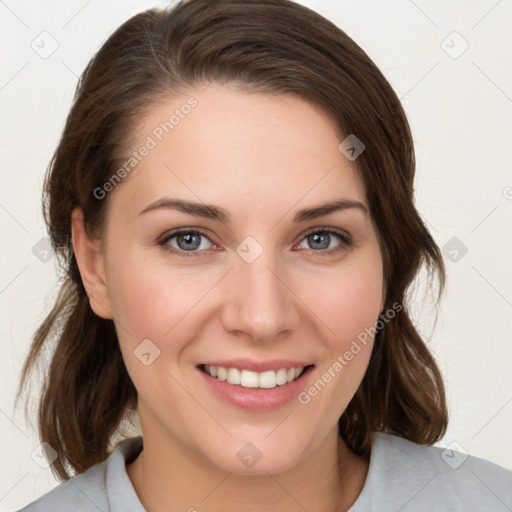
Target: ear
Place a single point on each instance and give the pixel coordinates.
(91, 264)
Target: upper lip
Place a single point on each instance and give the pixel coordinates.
(258, 366)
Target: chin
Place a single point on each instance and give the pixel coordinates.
(257, 457)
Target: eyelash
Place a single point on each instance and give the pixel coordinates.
(345, 239)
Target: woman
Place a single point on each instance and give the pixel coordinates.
(232, 201)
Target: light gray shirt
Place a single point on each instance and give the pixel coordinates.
(402, 477)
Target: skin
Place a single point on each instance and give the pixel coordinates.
(240, 151)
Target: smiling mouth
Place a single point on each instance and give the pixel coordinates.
(249, 379)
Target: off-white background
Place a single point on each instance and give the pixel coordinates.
(460, 110)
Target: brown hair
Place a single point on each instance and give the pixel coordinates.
(272, 46)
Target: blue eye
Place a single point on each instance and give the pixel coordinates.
(321, 240)
(188, 242)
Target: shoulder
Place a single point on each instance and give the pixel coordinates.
(406, 476)
(104, 487)
(83, 492)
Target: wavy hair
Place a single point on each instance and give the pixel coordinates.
(270, 46)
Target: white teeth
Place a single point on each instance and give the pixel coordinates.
(281, 377)
(267, 379)
(233, 376)
(250, 379)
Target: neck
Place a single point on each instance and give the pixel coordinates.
(167, 473)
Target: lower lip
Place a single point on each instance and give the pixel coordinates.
(257, 399)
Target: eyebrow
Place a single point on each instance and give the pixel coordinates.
(212, 212)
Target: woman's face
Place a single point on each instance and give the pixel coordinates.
(265, 289)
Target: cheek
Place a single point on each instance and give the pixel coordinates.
(349, 299)
(358, 303)
(151, 301)
(150, 298)
(348, 313)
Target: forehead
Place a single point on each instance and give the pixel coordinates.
(245, 151)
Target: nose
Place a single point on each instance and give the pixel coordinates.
(258, 300)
